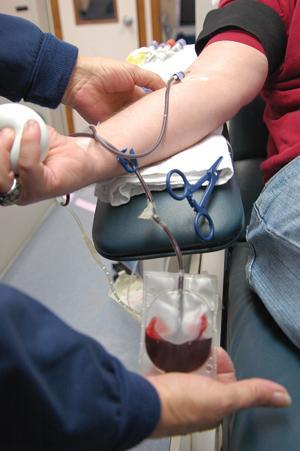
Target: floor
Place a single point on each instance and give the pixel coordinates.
(57, 269)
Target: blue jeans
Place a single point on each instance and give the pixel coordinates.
(273, 234)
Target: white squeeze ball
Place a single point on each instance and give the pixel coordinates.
(15, 115)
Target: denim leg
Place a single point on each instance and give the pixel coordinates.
(259, 348)
(274, 238)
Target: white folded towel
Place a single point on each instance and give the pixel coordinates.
(193, 162)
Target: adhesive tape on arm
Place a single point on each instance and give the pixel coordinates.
(15, 115)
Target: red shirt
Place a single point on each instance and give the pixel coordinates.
(282, 89)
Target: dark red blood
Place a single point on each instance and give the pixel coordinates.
(184, 357)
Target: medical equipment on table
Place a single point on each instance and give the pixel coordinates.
(153, 45)
(164, 50)
(156, 52)
(15, 115)
(200, 207)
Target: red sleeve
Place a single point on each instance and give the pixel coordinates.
(238, 36)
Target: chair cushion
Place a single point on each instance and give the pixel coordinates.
(259, 348)
(250, 179)
(247, 132)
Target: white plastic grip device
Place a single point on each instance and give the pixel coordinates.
(15, 115)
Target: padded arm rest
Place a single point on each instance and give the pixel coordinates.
(118, 234)
(248, 134)
(250, 179)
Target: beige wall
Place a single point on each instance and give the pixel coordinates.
(109, 39)
(18, 224)
(202, 8)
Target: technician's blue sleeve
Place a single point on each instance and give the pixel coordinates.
(34, 66)
(60, 390)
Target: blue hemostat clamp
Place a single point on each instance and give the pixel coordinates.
(130, 165)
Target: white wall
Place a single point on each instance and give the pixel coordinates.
(148, 21)
(18, 224)
(202, 8)
(106, 38)
(109, 39)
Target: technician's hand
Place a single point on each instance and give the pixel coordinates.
(66, 168)
(100, 86)
(6, 173)
(193, 403)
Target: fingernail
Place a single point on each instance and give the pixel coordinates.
(31, 124)
(281, 399)
(7, 132)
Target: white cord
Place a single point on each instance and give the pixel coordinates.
(90, 245)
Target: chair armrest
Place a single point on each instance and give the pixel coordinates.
(118, 234)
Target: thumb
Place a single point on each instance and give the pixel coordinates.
(254, 392)
(147, 79)
(30, 145)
